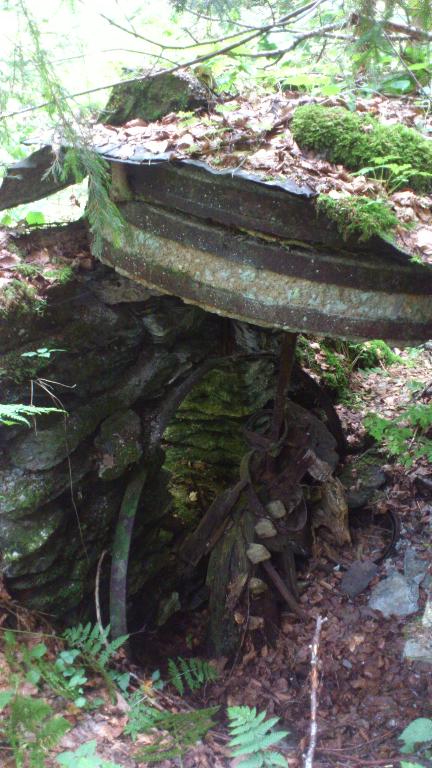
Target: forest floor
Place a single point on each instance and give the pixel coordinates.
(368, 692)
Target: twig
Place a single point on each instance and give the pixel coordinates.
(363, 745)
(405, 66)
(308, 763)
(97, 603)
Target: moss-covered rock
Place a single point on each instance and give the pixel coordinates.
(359, 140)
(362, 479)
(46, 448)
(20, 300)
(118, 443)
(22, 491)
(205, 439)
(152, 97)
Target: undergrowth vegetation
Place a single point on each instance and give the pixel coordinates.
(334, 360)
(408, 436)
(31, 728)
(252, 737)
(15, 414)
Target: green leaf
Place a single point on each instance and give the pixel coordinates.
(5, 698)
(33, 676)
(35, 218)
(410, 765)
(419, 731)
(278, 759)
(38, 651)
(254, 761)
(122, 680)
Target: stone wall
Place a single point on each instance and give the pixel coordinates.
(116, 354)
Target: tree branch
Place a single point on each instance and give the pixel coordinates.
(163, 46)
(258, 32)
(414, 33)
(298, 12)
(321, 31)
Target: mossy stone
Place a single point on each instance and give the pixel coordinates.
(358, 140)
(118, 443)
(152, 97)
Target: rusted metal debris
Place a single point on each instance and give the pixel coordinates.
(245, 248)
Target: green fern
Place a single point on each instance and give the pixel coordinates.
(30, 729)
(84, 757)
(95, 649)
(252, 736)
(63, 676)
(181, 730)
(142, 717)
(194, 672)
(405, 437)
(11, 415)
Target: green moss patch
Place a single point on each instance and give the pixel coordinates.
(358, 141)
(20, 299)
(358, 216)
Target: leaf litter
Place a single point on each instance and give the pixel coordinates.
(252, 132)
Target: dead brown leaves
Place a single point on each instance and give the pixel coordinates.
(253, 133)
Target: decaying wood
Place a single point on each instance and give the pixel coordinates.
(30, 179)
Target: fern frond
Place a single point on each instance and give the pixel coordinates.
(95, 650)
(252, 736)
(194, 672)
(181, 731)
(14, 414)
(254, 761)
(175, 676)
(111, 649)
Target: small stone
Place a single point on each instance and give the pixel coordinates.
(320, 470)
(347, 664)
(257, 586)
(276, 509)
(395, 596)
(255, 622)
(358, 577)
(257, 553)
(418, 649)
(418, 646)
(414, 568)
(362, 479)
(265, 528)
